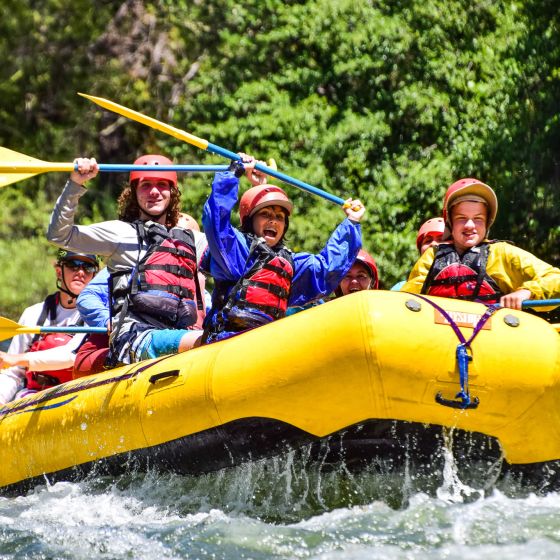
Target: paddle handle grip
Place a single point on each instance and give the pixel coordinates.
(212, 148)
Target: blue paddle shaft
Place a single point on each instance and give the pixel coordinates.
(281, 176)
(74, 330)
(541, 302)
(117, 167)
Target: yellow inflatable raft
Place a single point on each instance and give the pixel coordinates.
(368, 357)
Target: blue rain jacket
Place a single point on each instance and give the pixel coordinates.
(315, 276)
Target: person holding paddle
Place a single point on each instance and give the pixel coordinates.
(256, 276)
(41, 361)
(472, 267)
(153, 264)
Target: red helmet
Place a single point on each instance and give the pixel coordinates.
(476, 189)
(366, 259)
(260, 196)
(170, 176)
(433, 227)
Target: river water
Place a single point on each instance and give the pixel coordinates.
(283, 508)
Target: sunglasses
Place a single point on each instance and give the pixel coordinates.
(75, 265)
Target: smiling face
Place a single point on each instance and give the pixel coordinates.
(358, 278)
(270, 223)
(468, 224)
(153, 198)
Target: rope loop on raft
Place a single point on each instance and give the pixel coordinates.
(463, 356)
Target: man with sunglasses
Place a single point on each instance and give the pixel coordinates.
(35, 362)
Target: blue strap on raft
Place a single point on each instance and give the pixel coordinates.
(462, 355)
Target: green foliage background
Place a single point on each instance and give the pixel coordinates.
(388, 100)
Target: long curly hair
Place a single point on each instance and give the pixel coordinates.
(129, 211)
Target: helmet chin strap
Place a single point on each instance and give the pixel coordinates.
(61, 285)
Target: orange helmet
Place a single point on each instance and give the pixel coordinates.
(170, 176)
(260, 196)
(465, 188)
(433, 226)
(367, 260)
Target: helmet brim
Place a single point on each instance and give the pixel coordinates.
(479, 190)
(287, 205)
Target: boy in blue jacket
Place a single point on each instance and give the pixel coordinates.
(256, 277)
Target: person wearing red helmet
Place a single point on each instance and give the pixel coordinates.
(363, 275)
(430, 234)
(41, 361)
(472, 267)
(153, 264)
(256, 276)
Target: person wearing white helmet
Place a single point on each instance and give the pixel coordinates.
(153, 264)
(470, 266)
(37, 362)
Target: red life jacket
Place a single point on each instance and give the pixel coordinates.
(42, 380)
(39, 380)
(163, 289)
(461, 276)
(260, 296)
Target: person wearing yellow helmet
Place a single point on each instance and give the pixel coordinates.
(470, 266)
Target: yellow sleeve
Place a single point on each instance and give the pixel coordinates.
(419, 273)
(515, 269)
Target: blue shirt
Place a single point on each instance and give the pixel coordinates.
(315, 276)
(93, 301)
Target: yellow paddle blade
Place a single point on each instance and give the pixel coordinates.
(9, 328)
(8, 177)
(16, 167)
(148, 121)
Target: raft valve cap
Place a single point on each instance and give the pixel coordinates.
(413, 305)
(511, 320)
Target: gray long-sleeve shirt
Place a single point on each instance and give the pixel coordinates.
(114, 239)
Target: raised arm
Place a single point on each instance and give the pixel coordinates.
(227, 246)
(317, 276)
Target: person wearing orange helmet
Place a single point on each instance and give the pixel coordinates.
(363, 275)
(153, 264)
(470, 266)
(429, 235)
(256, 276)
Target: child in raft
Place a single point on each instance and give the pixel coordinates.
(256, 276)
(470, 266)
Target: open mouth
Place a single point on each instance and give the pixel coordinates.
(269, 233)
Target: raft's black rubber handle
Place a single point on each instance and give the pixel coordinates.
(456, 404)
(163, 375)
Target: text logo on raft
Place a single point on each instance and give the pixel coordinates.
(461, 319)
